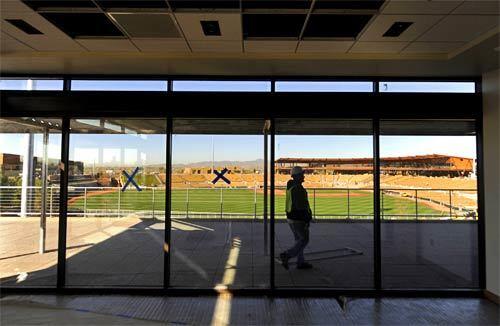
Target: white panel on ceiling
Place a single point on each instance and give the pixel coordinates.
(52, 38)
(9, 44)
(148, 25)
(381, 24)
(161, 45)
(432, 47)
(377, 47)
(273, 46)
(216, 46)
(460, 28)
(434, 7)
(324, 46)
(108, 45)
(229, 24)
(478, 7)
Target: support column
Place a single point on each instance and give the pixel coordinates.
(27, 176)
(43, 216)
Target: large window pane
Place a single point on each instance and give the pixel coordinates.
(427, 87)
(220, 86)
(119, 85)
(337, 158)
(15, 84)
(428, 204)
(29, 201)
(218, 228)
(323, 86)
(116, 203)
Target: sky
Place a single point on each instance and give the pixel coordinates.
(150, 149)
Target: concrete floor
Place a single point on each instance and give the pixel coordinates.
(226, 310)
(129, 252)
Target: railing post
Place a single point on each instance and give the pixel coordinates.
(187, 202)
(50, 204)
(348, 203)
(449, 196)
(416, 204)
(314, 203)
(221, 202)
(255, 202)
(85, 202)
(153, 202)
(119, 201)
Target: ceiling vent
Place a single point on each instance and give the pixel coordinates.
(210, 27)
(24, 26)
(397, 29)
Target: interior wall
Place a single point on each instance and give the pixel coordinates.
(491, 114)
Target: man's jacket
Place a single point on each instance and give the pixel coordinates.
(297, 204)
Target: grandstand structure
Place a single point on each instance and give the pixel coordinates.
(420, 165)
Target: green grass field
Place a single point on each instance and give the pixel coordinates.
(359, 204)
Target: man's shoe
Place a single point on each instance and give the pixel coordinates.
(284, 260)
(304, 266)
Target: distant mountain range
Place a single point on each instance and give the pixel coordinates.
(255, 164)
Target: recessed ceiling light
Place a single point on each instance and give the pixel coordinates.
(397, 29)
(210, 27)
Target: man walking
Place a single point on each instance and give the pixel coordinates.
(299, 215)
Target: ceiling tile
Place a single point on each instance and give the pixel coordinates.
(9, 44)
(477, 7)
(378, 47)
(216, 46)
(324, 46)
(434, 7)
(148, 25)
(107, 45)
(270, 46)
(432, 47)
(354, 5)
(83, 24)
(161, 45)
(460, 28)
(229, 24)
(52, 38)
(381, 24)
(13, 6)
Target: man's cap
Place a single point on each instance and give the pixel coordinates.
(296, 170)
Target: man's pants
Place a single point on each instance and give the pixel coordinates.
(301, 234)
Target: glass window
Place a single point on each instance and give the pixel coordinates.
(427, 87)
(31, 84)
(119, 85)
(428, 204)
(219, 231)
(323, 86)
(116, 202)
(29, 201)
(220, 86)
(336, 157)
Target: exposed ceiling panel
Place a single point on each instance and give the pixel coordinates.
(207, 4)
(377, 47)
(478, 7)
(376, 30)
(324, 46)
(14, 6)
(229, 24)
(434, 7)
(272, 25)
(107, 45)
(272, 46)
(432, 47)
(216, 46)
(352, 4)
(161, 45)
(460, 28)
(148, 25)
(325, 25)
(83, 24)
(276, 4)
(38, 4)
(107, 4)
